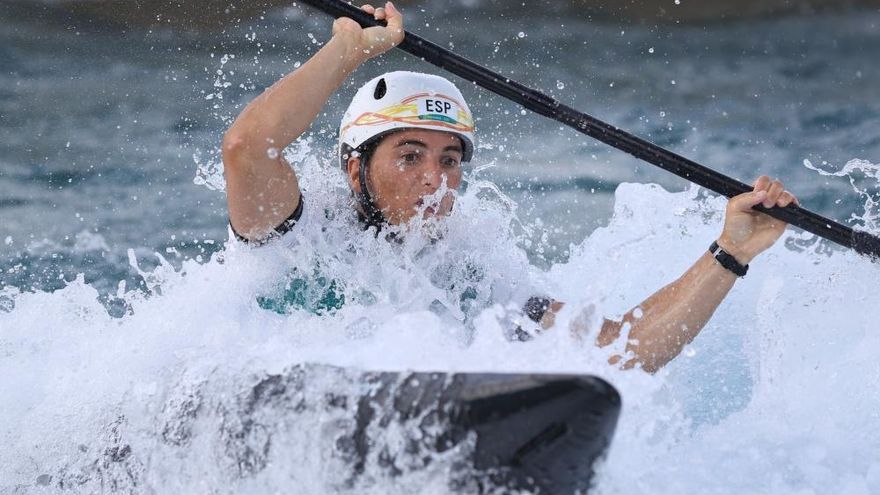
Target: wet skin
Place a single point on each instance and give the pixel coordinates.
(406, 167)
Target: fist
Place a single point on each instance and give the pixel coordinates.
(372, 41)
(747, 232)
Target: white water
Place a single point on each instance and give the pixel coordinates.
(779, 394)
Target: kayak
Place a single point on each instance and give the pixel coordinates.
(344, 430)
(535, 432)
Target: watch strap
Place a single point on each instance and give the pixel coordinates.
(727, 260)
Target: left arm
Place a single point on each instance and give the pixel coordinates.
(673, 316)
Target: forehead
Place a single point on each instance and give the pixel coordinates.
(430, 138)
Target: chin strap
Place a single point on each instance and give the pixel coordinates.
(371, 215)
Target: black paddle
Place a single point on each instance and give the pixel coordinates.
(861, 242)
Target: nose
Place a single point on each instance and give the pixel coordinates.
(433, 175)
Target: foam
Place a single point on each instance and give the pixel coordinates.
(777, 395)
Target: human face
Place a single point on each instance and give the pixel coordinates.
(406, 167)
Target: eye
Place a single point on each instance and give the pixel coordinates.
(450, 161)
(410, 158)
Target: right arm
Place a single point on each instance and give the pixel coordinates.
(261, 187)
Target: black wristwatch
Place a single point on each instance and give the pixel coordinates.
(726, 260)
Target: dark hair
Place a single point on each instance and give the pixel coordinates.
(364, 151)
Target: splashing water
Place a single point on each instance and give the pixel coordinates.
(777, 395)
(195, 382)
(864, 177)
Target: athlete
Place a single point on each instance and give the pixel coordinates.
(403, 139)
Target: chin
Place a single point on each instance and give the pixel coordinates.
(433, 228)
(429, 224)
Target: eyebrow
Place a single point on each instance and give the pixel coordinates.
(416, 142)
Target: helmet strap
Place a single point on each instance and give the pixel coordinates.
(370, 213)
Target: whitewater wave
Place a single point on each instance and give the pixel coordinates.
(777, 395)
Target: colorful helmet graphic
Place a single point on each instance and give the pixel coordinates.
(405, 100)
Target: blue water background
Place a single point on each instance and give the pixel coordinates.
(102, 129)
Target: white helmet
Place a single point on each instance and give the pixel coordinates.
(405, 100)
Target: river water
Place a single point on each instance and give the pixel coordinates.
(120, 297)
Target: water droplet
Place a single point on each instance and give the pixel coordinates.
(521, 34)
(560, 85)
(651, 50)
(272, 153)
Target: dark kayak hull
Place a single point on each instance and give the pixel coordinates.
(360, 431)
(533, 431)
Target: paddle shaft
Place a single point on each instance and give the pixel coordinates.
(861, 242)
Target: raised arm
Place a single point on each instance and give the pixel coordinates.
(261, 187)
(671, 318)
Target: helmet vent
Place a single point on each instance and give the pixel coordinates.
(381, 89)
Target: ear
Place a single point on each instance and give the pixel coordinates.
(354, 176)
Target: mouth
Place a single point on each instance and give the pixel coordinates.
(423, 208)
(426, 207)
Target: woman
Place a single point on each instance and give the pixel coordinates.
(403, 139)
